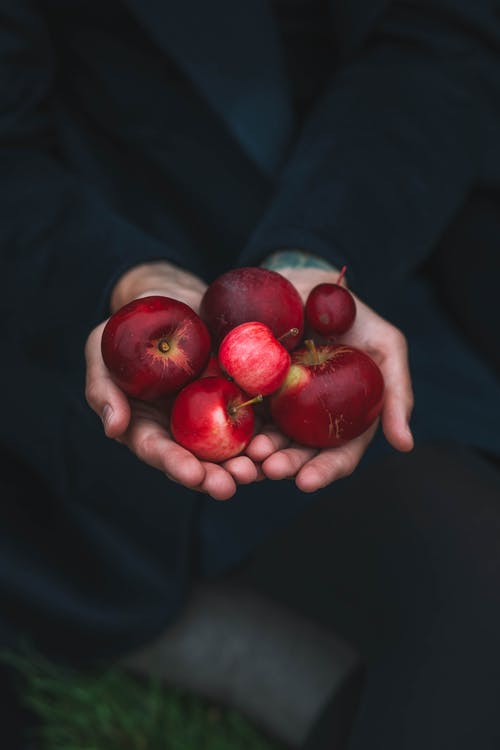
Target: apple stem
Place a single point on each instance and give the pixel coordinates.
(341, 275)
(163, 346)
(311, 348)
(291, 332)
(255, 400)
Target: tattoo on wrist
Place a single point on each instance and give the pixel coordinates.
(295, 259)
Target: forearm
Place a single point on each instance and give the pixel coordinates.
(63, 247)
(391, 151)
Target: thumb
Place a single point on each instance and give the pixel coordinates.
(102, 394)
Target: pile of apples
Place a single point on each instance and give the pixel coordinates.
(246, 347)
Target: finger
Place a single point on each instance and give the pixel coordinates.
(286, 463)
(242, 469)
(333, 463)
(152, 444)
(398, 399)
(267, 442)
(260, 474)
(102, 395)
(218, 483)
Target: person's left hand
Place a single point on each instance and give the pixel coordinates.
(313, 468)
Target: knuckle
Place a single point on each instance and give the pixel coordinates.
(93, 393)
(92, 341)
(346, 466)
(398, 338)
(346, 462)
(323, 474)
(145, 447)
(410, 402)
(291, 463)
(142, 447)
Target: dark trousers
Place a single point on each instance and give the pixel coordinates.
(403, 560)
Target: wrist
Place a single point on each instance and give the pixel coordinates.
(296, 259)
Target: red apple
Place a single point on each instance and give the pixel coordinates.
(253, 294)
(330, 308)
(254, 358)
(213, 419)
(331, 395)
(154, 346)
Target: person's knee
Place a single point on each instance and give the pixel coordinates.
(445, 500)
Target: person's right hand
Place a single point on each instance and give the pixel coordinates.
(143, 427)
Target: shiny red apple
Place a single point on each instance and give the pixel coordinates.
(330, 308)
(331, 395)
(254, 358)
(253, 294)
(153, 346)
(213, 419)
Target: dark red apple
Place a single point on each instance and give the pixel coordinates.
(153, 346)
(331, 395)
(254, 358)
(213, 419)
(253, 294)
(330, 308)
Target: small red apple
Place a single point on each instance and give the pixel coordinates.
(331, 395)
(213, 419)
(254, 358)
(330, 308)
(248, 294)
(153, 346)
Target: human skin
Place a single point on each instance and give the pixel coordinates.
(144, 427)
(311, 468)
(141, 426)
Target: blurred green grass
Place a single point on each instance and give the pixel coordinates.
(113, 710)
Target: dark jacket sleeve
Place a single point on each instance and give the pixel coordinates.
(61, 246)
(402, 134)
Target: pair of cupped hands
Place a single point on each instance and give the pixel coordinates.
(143, 427)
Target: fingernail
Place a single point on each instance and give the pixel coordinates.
(107, 414)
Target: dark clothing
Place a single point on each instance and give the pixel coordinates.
(403, 561)
(309, 49)
(132, 131)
